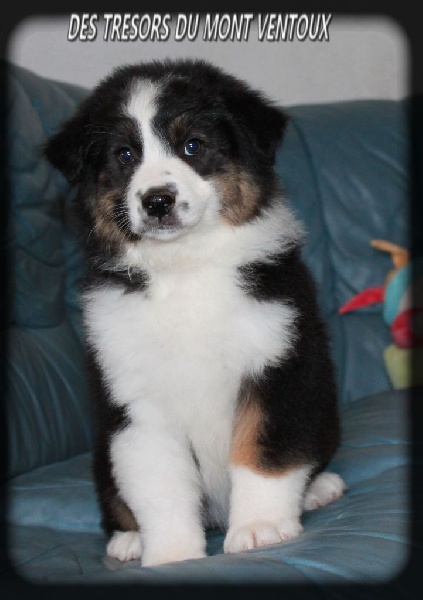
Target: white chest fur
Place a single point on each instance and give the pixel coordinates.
(187, 341)
(176, 354)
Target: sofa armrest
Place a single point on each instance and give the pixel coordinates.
(47, 400)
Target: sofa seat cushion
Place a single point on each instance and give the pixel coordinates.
(55, 535)
(59, 496)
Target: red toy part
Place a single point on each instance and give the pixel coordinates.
(364, 298)
(405, 329)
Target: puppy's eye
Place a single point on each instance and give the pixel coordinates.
(125, 156)
(192, 147)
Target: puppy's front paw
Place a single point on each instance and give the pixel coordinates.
(261, 533)
(125, 545)
(326, 488)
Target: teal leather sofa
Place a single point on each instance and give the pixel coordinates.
(345, 173)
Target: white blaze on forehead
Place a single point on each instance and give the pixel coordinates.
(196, 198)
(142, 106)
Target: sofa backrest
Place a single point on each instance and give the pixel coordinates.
(346, 175)
(344, 170)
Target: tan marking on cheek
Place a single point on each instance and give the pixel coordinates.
(103, 208)
(240, 197)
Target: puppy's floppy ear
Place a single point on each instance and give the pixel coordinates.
(66, 149)
(263, 123)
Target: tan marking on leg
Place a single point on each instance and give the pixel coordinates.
(123, 515)
(246, 446)
(244, 449)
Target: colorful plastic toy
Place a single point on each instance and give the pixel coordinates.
(402, 298)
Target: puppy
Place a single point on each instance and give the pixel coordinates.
(215, 395)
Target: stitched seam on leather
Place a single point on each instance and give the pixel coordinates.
(315, 178)
(342, 363)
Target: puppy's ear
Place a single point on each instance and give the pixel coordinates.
(263, 123)
(66, 149)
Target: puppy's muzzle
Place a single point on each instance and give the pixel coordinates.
(158, 202)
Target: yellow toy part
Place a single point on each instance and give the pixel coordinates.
(404, 365)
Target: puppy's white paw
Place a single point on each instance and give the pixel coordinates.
(326, 488)
(261, 533)
(125, 545)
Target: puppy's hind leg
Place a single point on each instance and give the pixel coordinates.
(265, 508)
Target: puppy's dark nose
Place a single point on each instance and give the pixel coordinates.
(158, 202)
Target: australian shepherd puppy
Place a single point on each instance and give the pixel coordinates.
(215, 395)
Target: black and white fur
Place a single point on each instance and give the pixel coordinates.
(215, 396)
